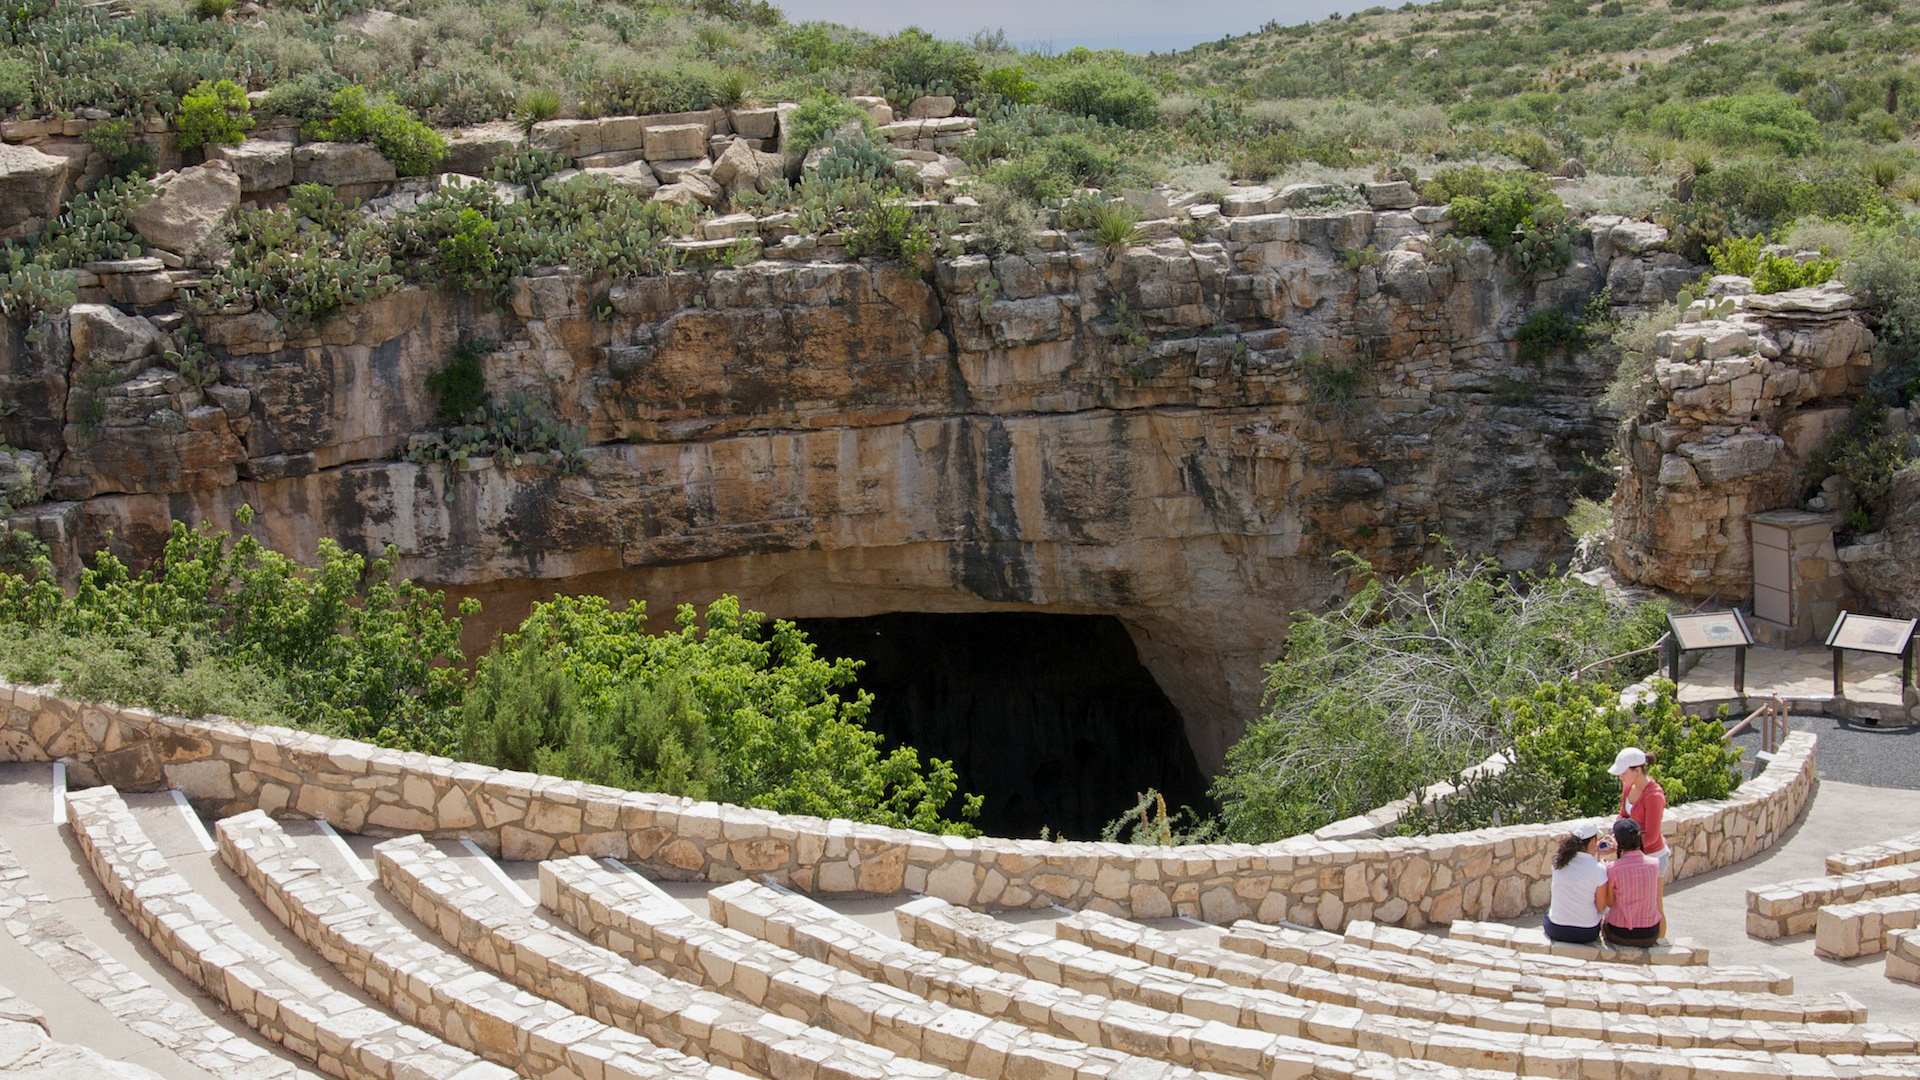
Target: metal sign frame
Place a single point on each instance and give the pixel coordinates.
(1704, 630)
(1873, 634)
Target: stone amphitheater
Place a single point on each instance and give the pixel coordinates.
(200, 899)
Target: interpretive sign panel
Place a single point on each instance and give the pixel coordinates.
(1871, 633)
(1710, 630)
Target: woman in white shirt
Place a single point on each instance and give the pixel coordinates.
(1574, 914)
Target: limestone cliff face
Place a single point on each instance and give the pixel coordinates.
(1178, 434)
(1745, 402)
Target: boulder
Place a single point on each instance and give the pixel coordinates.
(340, 163)
(189, 208)
(24, 477)
(877, 108)
(759, 123)
(676, 142)
(931, 107)
(610, 159)
(375, 23)
(31, 184)
(634, 175)
(1394, 195)
(672, 172)
(105, 336)
(472, 150)
(569, 138)
(1636, 237)
(261, 164)
(742, 168)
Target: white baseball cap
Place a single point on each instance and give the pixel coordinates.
(1629, 758)
(1585, 831)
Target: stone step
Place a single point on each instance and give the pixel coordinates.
(618, 910)
(1531, 939)
(1578, 987)
(1903, 955)
(1895, 852)
(278, 997)
(535, 1037)
(1371, 935)
(1793, 907)
(1747, 1021)
(545, 960)
(1505, 1038)
(1207, 1035)
(1844, 931)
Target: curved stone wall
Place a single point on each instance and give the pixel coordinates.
(1411, 881)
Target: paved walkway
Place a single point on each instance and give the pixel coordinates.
(1804, 674)
(1711, 908)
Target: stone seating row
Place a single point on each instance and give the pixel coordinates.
(1793, 907)
(276, 997)
(1844, 931)
(1212, 1042)
(621, 912)
(536, 1038)
(1903, 955)
(33, 921)
(1507, 1037)
(1575, 986)
(1384, 939)
(1735, 1023)
(1531, 939)
(1894, 852)
(593, 981)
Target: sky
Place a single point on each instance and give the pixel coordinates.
(1057, 25)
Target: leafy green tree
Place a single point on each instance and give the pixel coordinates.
(214, 114)
(1396, 688)
(720, 707)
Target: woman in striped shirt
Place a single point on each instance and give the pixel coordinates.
(1633, 895)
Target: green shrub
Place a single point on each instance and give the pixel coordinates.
(307, 97)
(1777, 273)
(1865, 455)
(1149, 823)
(1105, 93)
(1516, 795)
(1571, 730)
(1011, 85)
(816, 120)
(1743, 120)
(1737, 255)
(640, 91)
(891, 230)
(1114, 224)
(119, 146)
(1550, 332)
(913, 63)
(1052, 169)
(214, 114)
(16, 83)
(460, 388)
(364, 653)
(1009, 224)
(413, 147)
(1884, 270)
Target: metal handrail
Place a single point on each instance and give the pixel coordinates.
(1581, 671)
(1775, 718)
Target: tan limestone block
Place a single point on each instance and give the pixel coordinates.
(761, 855)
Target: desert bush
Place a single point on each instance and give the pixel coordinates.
(413, 147)
(16, 83)
(1548, 333)
(1629, 345)
(817, 120)
(121, 149)
(307, 97)
(640, 91)
(1105, 93)
(1772, 121)
(913, 63)
(535, 106)
(1009, 224)
(1884, 270)
(214, 114)
(1866, 455)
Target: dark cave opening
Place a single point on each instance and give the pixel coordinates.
(1052, 718)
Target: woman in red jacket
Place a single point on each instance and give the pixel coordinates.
(1644, 802)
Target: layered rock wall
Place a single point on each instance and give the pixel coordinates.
(1750, 388)
(1178, 433)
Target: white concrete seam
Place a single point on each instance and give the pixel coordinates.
(360, 867)
(511, 886)
(194, 825)
(59, 793)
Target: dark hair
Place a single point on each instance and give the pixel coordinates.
(1626, 835)
(1570, 845)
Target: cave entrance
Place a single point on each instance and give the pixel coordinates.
(1052, 718)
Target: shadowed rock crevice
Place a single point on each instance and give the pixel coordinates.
(1052, 718)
